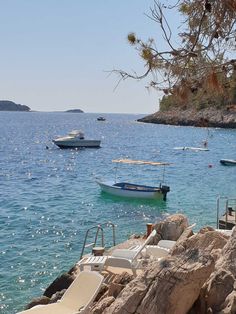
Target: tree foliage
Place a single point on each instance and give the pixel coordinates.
(200, 57)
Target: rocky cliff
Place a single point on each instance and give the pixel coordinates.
(209, 117)
(7, 105)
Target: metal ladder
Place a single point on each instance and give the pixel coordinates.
(229, 203)
(99, 231)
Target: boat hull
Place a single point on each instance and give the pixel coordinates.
(228, 162)
(200, 149)
(77, 144)
(134, 190)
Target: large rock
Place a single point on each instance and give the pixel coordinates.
(38, 301)
(209, 242)
(102, 305)
(60, 283)
(168, 286)
(172, 285)
(218, 295)
(171, 228)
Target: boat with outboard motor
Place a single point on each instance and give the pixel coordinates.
(133, 190)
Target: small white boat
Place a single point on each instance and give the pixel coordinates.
(126, 189)
(75, 139)
(228, 162)
(132, 190)
(192, 148)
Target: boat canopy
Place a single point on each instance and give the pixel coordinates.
(141, 162)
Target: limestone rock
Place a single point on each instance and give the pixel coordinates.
(60, 283)
(204, 242)
(38, 301)
(57, 296)
(218, 293)
(171, 228)
(169, 286)
(115, 289)
(124, 278)
(101, 306)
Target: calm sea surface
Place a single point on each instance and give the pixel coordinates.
(49, 197)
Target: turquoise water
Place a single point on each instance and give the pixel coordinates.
(49, 197)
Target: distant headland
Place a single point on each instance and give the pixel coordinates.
(75, 111)
(7, 105)
(208, 117)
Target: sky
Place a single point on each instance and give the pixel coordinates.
(58, 55)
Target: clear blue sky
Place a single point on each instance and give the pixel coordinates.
(55, 54)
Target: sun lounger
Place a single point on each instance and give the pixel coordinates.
(126, 258)
(168, 244)
(77, 298)
(156, 251)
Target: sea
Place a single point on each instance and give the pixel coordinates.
(49, 197)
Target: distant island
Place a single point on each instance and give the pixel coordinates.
(7, 105)
(75, 111)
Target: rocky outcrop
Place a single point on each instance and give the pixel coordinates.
(37, 301)
(171, 228)
(198, 276)
(6, 105)
(218, 294)
(159, 288)
(209, 117)
(60, 283)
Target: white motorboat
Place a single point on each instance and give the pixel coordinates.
(132, 190)
(75, 139)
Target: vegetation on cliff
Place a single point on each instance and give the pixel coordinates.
(195, 67)
(218, 93)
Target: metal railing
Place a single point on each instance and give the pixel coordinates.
(229, 203)
(99, 231)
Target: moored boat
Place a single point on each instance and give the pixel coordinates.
(133, 190)
(101, 119)
(126, 189)
(75, 139)
(192, 148)
(228, 162)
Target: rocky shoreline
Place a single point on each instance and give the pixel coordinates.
(209, 117)
(197, 276)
